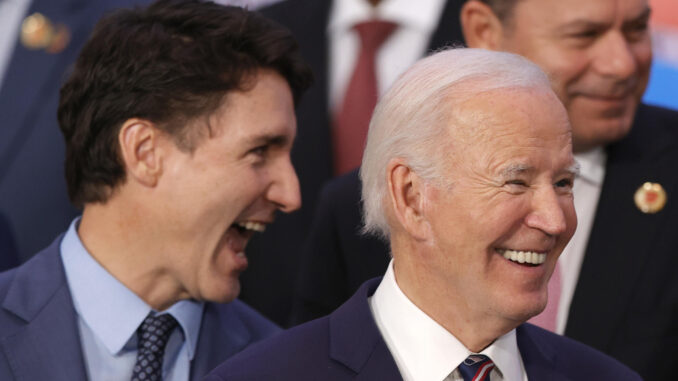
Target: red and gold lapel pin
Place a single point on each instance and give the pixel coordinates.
(650, 198)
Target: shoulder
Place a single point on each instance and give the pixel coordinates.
(302, 351)
(240, 316)
(334, 347)
(569, 357)
(654, 121)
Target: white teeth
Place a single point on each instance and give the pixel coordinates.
(251, 225)
(240, 254)
(524, 256)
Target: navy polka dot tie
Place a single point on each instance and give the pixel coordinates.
(476, 368)
(152, 337)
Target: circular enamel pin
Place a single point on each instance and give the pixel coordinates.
(37, 32)
(650, 198)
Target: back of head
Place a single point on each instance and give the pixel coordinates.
(412, 117)
(169, 63)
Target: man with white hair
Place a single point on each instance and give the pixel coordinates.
(468, 172)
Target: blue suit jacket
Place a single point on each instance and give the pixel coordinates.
(39, 336)
(33, 192)
(347, 345)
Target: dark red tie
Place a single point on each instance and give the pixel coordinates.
(353, 118)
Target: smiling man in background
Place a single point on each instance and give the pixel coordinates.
(616, 279)
(178, 121)
(468, 173)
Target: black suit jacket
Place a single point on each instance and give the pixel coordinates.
(275, 255)
(347, 345)
(626, 299)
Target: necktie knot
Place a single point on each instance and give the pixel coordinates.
(476, 368)
(153, 334)
(374, 33)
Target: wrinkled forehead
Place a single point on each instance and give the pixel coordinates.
(492, 115)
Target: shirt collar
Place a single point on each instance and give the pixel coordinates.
(592, 165)
(108, 308)
(423, 15)
(428, 350)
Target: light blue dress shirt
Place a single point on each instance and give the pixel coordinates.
(109, 315)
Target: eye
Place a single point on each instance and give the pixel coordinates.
(636, 31)
(517, 182)
(259, 153)
(564, 184)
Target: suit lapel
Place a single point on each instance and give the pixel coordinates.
(538, 356)
(222, 334)
(355, 340)
(619, 227)
(47, 347)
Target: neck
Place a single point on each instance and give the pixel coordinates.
(122, 240)
(420, 283)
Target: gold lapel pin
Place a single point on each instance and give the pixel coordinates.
(650, 198)
(37, 32)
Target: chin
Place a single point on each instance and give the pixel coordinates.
(221, 292)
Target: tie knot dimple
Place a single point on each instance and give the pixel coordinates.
(476, 368)
(374, 33)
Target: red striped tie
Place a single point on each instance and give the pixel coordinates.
(350, 129)
(476, 368)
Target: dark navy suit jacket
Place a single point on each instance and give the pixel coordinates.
(8, 254)
(626, 300)
(33, 192)
(347, 345)
(40, 340)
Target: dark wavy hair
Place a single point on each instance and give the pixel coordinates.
(170, 63)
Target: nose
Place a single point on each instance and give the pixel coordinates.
(615, 57)
(547, 212)
(284, 190)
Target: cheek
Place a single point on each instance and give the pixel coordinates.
(643, 56)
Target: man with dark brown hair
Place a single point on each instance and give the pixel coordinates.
(178, 121)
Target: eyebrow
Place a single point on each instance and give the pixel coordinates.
(574, 169)
(515, 170)
(521, 169)
(269, 139)
(641, 18)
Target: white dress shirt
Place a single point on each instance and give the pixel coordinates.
(425, 351)
(417, 20)
(12, 13)
(586, 194)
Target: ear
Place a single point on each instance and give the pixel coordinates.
(139, 147)
(407, 195)
(481, 27)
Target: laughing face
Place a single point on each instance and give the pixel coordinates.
(229, 188)
(598, 55)
(507, 213)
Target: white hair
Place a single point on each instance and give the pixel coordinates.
(411, 118)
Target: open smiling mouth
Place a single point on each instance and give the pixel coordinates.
(529, 258)
(239, 234)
